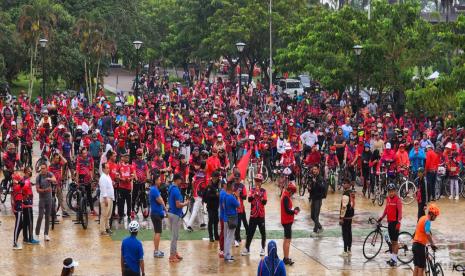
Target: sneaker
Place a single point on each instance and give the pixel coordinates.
(288, 261)
(217, 238)
(450, 197)
(161, 254)
(17, 247)
(46, 238)
(179, 256)
(344, 254)
(158, 254)
(203, 225)
(229, 261)
(392, 263)
(34, 241)
(349, 253)
(236, 243)
(245, 252)
(173, 259)
(456, 197)
(189, 229)
(262, 252)
(221, 254)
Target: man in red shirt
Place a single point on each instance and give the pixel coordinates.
(257, 199)
(85, 174)
(431, 167)
(141, 170)
(126, 175)
(393, 212)
(287, 219)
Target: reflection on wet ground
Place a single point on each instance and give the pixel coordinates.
(314, 256)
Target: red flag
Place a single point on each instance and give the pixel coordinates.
(243, 164)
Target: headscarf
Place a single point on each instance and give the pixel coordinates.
(271, 262)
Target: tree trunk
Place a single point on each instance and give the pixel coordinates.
(85, 75)
(97, 75)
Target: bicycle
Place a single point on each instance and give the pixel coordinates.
(82, 216)
(406, 190)
(54, 208)
(303, 183)
(43, 159)
(332, 178)
(459, 268)
(283, 180)
(256, 166)
(190, 206)
(374, 241)
(5, 188)
(432, 267)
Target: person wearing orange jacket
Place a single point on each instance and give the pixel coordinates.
(402, 160)
(431, 168)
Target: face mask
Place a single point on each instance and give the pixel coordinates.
(220, 139)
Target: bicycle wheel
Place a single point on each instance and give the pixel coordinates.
(372, 244)
(429, 271)
(437, 270)
(5, 191)
(84, 214)
(42, 160)
(72, 198)
(332, 182)
(265, 174)
(380, 199)
(185, 210)
(407, 192)
(405, 241)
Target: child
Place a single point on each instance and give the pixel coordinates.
(346, 215)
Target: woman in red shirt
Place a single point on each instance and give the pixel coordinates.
(17, 208)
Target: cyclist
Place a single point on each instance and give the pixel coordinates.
(26, 138)
(402, 160)
(56, 167)
(393, 212)
(85, 175)
(287, 219)
(422, 237)
(140, 168)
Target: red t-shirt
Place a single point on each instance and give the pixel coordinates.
(125, 172)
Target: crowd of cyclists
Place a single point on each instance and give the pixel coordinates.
(198, 134)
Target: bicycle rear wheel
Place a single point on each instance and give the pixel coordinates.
(72, 200)
(5, 191)
(405, 241)
(303, 186)
(407, 192)
(372, 244)
(437, 270)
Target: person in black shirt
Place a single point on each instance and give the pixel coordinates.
(317, 191)
(346, 215)
(420, 182)
(212, 199)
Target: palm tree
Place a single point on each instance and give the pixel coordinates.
(95, 45)
(35, 22)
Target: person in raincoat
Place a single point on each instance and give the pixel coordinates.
(271, 265)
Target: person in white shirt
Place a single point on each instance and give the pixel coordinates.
(107, 195)
(281, 145)
(309, 138)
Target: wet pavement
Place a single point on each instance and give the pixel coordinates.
(313, 255)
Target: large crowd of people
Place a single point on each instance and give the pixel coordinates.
(183, 143)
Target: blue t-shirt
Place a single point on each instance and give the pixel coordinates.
(174, 194)
(155, 207)
(132, 252)
(230, 205)
(94, 148)
(222, 193)
(66, 147)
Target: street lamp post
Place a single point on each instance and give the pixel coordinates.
(137, 44)
(358, 52)
(43, 43)
(240, 47)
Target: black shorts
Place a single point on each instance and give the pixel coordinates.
(157, 223)
(393, 232)
(287, 230)
(419, 255)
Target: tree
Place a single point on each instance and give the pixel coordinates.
(36, 21)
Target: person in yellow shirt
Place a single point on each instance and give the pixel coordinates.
(422, 237)
(130, 99)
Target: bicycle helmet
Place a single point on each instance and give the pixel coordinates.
(433, 209)
(210, 123)
(332, 148)
(252, 137)
(367, 145)
(176, 144)
(139, 151)
(291, 187)
(287, 171)
(133, 226)
(388, 145)
(391, 186)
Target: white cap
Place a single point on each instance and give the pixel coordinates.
(13, 123)
(73, 264)
(79, 127)
(219, 135)
(388, 145)
(60, 126)
(215, 116)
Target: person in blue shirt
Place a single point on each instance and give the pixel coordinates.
(222, 194)
(157, 213)
(271, 265)
(95, 150)
(176, 203)
(417, 157)
(132, 253)
(229, 204)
